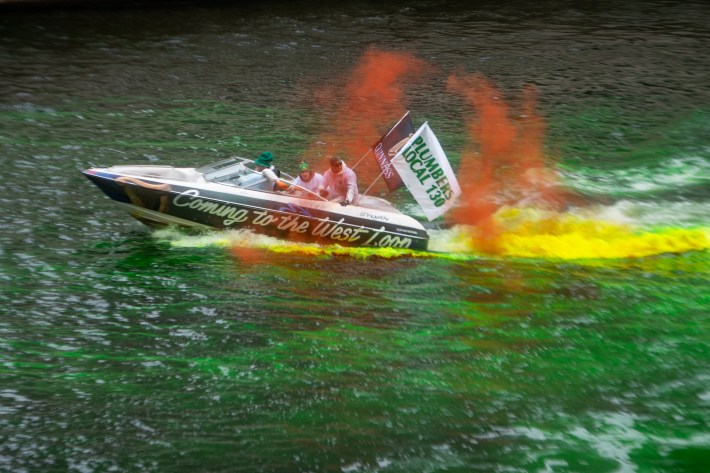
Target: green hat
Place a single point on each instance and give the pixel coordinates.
(303, 167)
(264, 159)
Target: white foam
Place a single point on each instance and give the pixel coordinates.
(673, 173)
(682, 214)
(223, 238)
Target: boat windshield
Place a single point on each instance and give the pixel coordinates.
(225, 170)
(235, 172)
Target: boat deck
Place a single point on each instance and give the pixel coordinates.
(234, 177)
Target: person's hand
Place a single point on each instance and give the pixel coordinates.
(344, 202)
(323, 193)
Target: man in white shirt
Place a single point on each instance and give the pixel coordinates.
(339, 182)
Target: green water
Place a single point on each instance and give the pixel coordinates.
(127, 350)
(185, 359)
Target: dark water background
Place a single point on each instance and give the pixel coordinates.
(123, 350)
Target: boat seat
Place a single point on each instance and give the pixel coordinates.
(161, 172)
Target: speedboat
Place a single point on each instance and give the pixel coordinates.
(230, 195)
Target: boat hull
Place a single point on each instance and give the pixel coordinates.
(163, 202)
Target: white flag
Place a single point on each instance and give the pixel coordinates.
(426, 172)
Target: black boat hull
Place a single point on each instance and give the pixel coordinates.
(157, 203)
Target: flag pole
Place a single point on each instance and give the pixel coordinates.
(360, 160)
(382, 172)
(370, 150)
(373, 183)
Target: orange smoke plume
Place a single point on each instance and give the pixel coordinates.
(371, 100)
(506, 166)
(247, 255)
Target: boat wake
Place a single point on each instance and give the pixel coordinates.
(624, 230)
(671, 175)
(244, 244)
(575, 235)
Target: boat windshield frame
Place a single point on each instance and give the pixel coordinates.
(228, 170)
(222, 168)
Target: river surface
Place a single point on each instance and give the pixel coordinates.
(583, 346)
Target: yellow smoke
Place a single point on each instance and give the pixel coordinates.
(534, 233)
(353, 252)
(523, 233)
(245, 239)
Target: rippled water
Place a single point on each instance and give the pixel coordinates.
(123, 349)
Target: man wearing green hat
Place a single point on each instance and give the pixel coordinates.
(307, 179)
(265, 168)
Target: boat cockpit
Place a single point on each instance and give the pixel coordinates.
(233, 171)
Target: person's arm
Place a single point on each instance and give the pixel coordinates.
(325, 183)
(352, 187)
(318, 185)
(270, 175)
